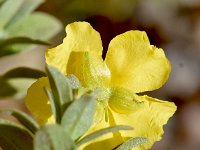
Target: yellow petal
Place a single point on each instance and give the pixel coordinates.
(37, 101)
(135, 64)
(81, 37)
(147, 121)
(89, 68)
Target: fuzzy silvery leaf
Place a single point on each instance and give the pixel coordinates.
(53, 137)
(61, 90)
(79, 116)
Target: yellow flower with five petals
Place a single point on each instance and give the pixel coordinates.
(131, 66)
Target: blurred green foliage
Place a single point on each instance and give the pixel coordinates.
(15, 82)
(17, 19)
(20, 28)
(74, 10)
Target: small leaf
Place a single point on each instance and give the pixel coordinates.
(23, 118)
(14, 136)
(53, 137)
(8, 9)
(6, 89)
(21, 40)
(26, 8)
(13, 45)
(23, 72)
(133, 142)
(16, 87)
(61, 89)
(43, 26)
(101, 132)
(79, 116)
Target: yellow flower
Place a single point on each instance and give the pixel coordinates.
(131, 66)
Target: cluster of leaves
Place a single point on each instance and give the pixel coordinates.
(20, 26)
(20, 29)
(73, 115)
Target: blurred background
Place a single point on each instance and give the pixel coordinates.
(173, 25)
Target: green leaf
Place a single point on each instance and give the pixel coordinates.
(37, 25)
(79, 116)
(101, 132)
(53, 137)
(28, 26)
(14, 136)
(133, 142)
(20, 40)
(6, 89)
(61, 89)
(15, 88)
(23, 72)
(23, 118)
(6, 52)
(20, 22)
(13, 45)
(17, 10)
(7, 11)
(26, 8)
(1, 2)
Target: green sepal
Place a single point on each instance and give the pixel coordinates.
(124, 101)
(14, 136)
(78, 117)
(53, 137)
(101, 132)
